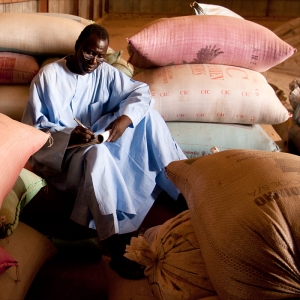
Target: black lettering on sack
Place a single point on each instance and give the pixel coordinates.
(277, 195)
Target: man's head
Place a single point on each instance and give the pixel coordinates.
(90, 48)
(89, 31)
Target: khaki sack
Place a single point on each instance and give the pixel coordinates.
(174, 264)
(245, 208)
(213, 93)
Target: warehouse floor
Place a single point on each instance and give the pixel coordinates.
(123, 26)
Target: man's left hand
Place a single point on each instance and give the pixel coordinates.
(118, 126)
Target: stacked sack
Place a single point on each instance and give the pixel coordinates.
(28, 42)
(204, 74)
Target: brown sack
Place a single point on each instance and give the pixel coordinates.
(245, 208)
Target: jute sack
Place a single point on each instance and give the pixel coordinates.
(174, 264)
(36, 34)
(13, 99)
(245, 207)
(17, 68)
(213, 93)
(210, 39)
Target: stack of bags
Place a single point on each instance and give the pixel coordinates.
(204, 74)
(29, 42)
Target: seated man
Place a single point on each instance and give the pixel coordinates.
(116, 182)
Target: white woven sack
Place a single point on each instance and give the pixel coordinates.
(36, 34)
(245, 207)
(211, 9)
(213, 93)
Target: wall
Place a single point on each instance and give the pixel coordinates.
(93, 9)
(88, 9)
(245, 8)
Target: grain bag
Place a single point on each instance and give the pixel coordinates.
(213, 93)
(244, 207)
(211, 9)
(17, 68)
(69, 16)
(36, 34)
(13, 99)
(174, 264)
(197, 139)
(210, 39)
(18, 142)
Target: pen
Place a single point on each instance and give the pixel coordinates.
(79, 123)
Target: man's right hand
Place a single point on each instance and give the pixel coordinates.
(81, 135)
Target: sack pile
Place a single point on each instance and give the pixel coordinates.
(205, 69)
(244, 207)
(28, 42)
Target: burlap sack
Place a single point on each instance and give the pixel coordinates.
(173, 260)
(245, 208)
(211, 93)
(210, 39)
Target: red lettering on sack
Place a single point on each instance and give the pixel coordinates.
(215, 72)
(230, 71)
(164, 94)
(181, 115)
(225, 92)
(184, 92)
(198, 69)
(202, 92)
(256, 92)
(246, 94)
(220, 115)
(240, 116)
(200, 115)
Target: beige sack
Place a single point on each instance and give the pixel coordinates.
(245, 207)
(13, 99)
(36, 34)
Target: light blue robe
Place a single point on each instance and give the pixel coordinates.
(115, 183)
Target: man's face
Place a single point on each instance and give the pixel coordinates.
(91, 54)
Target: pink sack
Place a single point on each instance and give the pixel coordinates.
(17, 68)
(210, 39)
